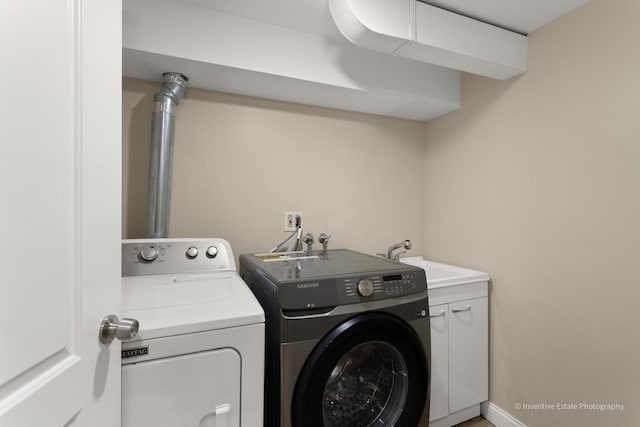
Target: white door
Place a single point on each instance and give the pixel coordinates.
(60, 132)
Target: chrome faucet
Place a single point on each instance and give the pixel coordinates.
(406, 244)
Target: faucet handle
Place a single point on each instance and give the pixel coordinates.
(324, 239)
(308, 239)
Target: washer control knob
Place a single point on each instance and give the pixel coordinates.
(365, 287)
(149, 253)
(212, 251)
(192, 252)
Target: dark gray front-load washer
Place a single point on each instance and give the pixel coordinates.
(347, 339)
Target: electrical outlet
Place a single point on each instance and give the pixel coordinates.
(290, 220)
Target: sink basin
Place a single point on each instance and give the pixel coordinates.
(443, 275)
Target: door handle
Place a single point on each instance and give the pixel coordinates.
(460, 310)
(111, 327)
(442, 313)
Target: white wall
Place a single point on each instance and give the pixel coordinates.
(241, 162)
(537, 181)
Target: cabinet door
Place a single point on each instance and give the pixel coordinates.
(468, 353)
(439, 406)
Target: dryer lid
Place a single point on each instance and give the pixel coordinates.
(170, 304)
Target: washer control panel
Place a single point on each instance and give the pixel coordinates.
(379, 286)
(165, 256)
(350, 290)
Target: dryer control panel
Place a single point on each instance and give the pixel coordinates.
(142, 257)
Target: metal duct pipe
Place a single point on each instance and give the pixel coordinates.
(165, 102)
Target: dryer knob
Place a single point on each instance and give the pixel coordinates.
(149, 253)
(192, 252)
(212, 251)
(365, 287)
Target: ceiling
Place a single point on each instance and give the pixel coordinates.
(292, 50)
(521, 16)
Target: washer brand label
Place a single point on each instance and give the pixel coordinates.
(135, 352)
(308, 285)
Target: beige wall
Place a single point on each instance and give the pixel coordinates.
(537, 181)
(241, 162)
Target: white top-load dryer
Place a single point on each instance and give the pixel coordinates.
(198, 358)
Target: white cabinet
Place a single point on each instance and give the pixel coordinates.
(439, 361)
(458, 308)
(459, 358)
(468, 353)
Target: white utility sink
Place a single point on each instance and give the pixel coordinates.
(442, 275)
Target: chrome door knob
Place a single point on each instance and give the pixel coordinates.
(111, 327)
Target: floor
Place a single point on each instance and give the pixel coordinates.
(476, 422)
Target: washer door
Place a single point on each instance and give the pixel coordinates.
(369, 371)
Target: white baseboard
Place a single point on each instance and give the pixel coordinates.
(498, 416)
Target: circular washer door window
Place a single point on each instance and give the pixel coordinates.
(370, 370)
(367, 387)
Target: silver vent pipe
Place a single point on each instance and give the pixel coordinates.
(165, 102)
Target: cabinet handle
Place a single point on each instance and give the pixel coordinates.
(442, 313)
(460, 310)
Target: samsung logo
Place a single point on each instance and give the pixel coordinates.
(134, 352)
(308, 285)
